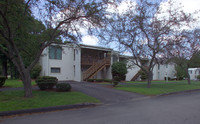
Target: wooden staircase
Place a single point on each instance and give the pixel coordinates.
(138, 74)
(94, 69)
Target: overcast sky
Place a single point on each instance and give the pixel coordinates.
(189, 6)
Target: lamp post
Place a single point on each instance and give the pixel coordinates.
(166, 76)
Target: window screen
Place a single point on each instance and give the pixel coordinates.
(55, 70)
(55, 52)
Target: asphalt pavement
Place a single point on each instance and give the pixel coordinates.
(103, 93)
(173, 109)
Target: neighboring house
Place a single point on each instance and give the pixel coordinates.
(194, 72)
(160, 71)
(81, 62)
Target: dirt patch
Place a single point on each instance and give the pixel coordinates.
(5, 87)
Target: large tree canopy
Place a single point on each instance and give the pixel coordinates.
(147, 31)
(27, 27)
(186, 54)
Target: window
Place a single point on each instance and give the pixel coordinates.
(55, 52)
(115, 58)
(74, 71)
(191, 72)
(166, 65)
(55, 70)
(74, 54)
(158, 66)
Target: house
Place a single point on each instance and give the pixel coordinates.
(194, 72)
(79, 62)
(160, 71)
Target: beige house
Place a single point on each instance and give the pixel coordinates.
(80, 62)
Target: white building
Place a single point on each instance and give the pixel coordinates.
(161, 71)
(194, 72)
(77, 62)
(81, 62)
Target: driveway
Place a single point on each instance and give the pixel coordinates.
(173, 109)
(104, 94)
(99, 91)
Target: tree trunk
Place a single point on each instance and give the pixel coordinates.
(4, 66)
(188, 76)
(150, 74)
(26, 78)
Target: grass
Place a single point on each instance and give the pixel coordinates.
(103, 82)
(14, 100)
(161, 81)
(158, 87)
(15, 83)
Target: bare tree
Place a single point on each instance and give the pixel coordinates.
(187, 48)
(147, 31)
(60, 18)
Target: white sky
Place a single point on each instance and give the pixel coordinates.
(188, 6)
(90, 40)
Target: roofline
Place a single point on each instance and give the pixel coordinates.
(193, 68)
(95, 47)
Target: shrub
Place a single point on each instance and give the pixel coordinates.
(180, 78)
(104, 80)
(119, 71)
(107, 80)
(2, 80)
(180, 72)
(115, 83)
(91, 80)
(63, 87)
(35, 72)
(168, 78)
(198, 77)
(99, 80)
(46, 82)
(143, 75)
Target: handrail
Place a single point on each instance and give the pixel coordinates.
(93, 68)
(94, 65)
(137, 74)
(91, 61)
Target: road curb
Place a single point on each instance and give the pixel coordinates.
(179, 92)
(46, 109)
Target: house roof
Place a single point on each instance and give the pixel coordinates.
(84, 46)
(95, 47)
(193, 68)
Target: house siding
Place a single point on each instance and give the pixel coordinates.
(71, 68)
(66, 64)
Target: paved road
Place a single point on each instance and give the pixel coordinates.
(104, 94)
(173, 109)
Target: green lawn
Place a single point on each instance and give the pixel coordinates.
(14, 100)
(15, 83)
(158, 88)
(161, 81)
